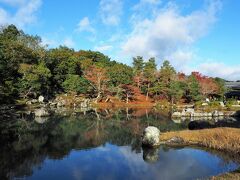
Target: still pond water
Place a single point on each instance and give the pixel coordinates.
(103, 145)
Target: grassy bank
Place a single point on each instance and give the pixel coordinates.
(232, 175)
(224, 139)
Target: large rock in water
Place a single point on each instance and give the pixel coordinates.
(151, 136)
(42, 112)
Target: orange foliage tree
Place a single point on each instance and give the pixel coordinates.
(98, 78)
(208, 86)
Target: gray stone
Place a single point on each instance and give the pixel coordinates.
(42, 112)
(151, 136)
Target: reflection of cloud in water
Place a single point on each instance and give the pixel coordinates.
(120, 162)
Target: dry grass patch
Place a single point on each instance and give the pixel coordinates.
(224, 139)
(232, 175)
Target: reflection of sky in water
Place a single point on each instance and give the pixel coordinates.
(113, 162)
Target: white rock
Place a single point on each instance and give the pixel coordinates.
(42, 112)
(151, 136)
(40, 99)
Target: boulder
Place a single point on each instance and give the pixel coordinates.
(151, 136)
(42, 112)
(40, 99)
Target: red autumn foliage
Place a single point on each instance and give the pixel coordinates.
(98, 77)
(208, 86)
(181, 77)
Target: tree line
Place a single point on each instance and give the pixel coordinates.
(29, 69)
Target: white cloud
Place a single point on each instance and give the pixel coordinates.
(144, 3)
(25, 12)
(219, 69)
(13, 2)
(111, 11)
(85, 25)
(56, 41)
(49, 42)
(103, 48)
(68, 41)
(168, 33)
(3, 17)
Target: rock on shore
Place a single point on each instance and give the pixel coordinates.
(192, 113)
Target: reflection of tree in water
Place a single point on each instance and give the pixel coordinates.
(24, 144)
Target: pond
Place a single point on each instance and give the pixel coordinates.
(103, 144)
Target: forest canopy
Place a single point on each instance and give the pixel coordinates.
(29, 69)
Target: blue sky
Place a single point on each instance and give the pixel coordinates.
(199, 35)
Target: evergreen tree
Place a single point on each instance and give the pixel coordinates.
(149, 73)
(166, 75)
(193, 92)
(138, 65)
(75, 83)
(35, 80)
